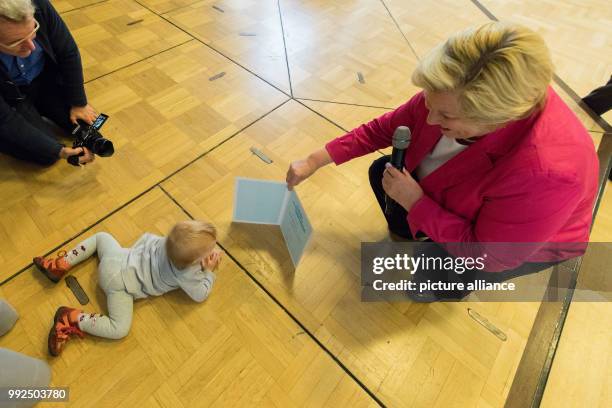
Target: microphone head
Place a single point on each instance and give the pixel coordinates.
(401, 137)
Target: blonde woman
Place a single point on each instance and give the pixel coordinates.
(155, 265)
(495, 155)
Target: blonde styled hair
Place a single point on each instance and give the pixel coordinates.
(499, 71)
(189, 241)
(16, 10)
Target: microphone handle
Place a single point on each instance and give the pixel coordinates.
(397, 161)
(397, 158)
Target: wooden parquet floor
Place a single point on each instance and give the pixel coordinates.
(190, 87)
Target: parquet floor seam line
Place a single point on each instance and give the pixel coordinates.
(183, 209)
(400, 30)
(280, 16)
(321, 115)
(326, 118)
(105, 1)
(140, 194)
(484, 10)
(343, 103)
(140, 60)
(177, 8)
(82, 7)
(284, 308)
(214, 49)
(552, 345)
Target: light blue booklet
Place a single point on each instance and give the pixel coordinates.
(269, 202)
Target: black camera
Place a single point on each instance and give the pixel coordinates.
(89, 136)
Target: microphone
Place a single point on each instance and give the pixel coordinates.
(400, 141)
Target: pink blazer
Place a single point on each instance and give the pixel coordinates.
(534, 180)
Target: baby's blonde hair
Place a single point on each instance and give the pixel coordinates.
(189, 241)
(499, 71)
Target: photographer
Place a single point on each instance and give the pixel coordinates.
(40, 75)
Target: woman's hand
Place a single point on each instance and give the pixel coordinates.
(401, 187)
(302, 169)
(299, 171)
(212, 261)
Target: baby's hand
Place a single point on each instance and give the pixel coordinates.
(212, 261)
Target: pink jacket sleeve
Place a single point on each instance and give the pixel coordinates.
(526, 208)
(375, 134)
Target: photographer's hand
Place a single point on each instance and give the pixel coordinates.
(86, 113)
(87, 157)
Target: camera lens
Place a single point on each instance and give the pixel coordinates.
(103, 147)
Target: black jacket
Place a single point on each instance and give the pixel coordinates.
(61, 56)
